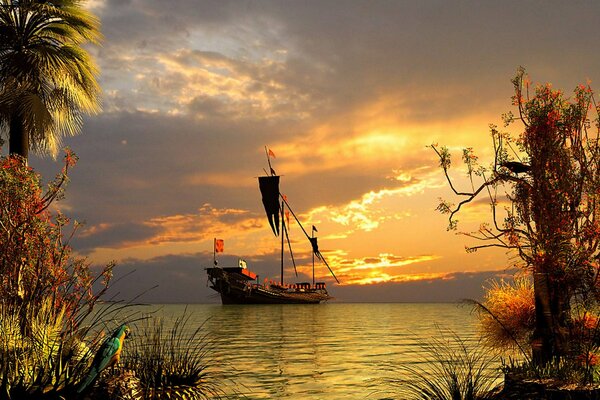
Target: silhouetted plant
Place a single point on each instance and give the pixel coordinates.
(550, 176)
(173, 362)
(566, 371)
(450, 368)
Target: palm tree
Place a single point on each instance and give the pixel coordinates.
(47, 80)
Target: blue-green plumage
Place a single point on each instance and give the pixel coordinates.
(108, 355)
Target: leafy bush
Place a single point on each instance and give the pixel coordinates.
(45, 292)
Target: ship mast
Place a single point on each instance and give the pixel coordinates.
(269, 188)
(282, 229)
(313, 256)
(311, 239)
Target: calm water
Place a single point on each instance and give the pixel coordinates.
(328, 351)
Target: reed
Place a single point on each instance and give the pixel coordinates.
(450, 368)
(174, 362)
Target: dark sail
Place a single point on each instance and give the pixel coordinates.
(315, 245)
(269, 188)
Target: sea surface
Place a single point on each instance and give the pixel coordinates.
(328, 351)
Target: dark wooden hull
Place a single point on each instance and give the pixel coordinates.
(234, 290)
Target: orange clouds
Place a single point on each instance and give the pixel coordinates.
(383, 268)
(374, 207)
(205, 224)
(160, 235)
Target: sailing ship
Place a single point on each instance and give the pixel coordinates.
(238, 285)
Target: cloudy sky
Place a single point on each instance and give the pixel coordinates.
(347, 94)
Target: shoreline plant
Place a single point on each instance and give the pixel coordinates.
(173, 360)
(46, 292)
(449, 368)
(543, 186)
(51, 320)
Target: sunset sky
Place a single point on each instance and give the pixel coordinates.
(347, 94)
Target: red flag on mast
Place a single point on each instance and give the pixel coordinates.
(271, 154)
(219, 245)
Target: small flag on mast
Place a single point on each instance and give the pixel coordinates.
(314, 228)
(271, 154)
(219, 245)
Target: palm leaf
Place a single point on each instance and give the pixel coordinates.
(56, 78)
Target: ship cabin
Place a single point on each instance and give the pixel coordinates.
(242, 274)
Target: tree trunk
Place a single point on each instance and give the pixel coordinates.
(541, 345)
(551, 312)
(19, 139)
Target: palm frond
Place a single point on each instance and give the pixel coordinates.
(41, 50)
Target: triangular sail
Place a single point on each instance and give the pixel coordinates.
(269, 188)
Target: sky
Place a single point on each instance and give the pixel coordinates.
(347, 95)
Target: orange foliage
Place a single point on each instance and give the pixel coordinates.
(511, 316)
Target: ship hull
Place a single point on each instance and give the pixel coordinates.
(236, 290)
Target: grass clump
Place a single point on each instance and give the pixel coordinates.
(560, 372)
(450, 368)
(173, 362)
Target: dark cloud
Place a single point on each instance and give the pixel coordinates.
(115, 235)
(208, 107)
(168, 279)
(343, 54)
(136, 166)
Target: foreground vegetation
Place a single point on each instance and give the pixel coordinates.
(48, 79)
(451, 368)
(543, 186)
(51, 323)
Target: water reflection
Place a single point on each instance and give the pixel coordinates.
(329, 351)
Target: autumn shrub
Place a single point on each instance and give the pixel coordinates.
(507, 314)
(45, 291)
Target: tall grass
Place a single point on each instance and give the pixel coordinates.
(450, 368)
(44, 361)
(173, 362)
